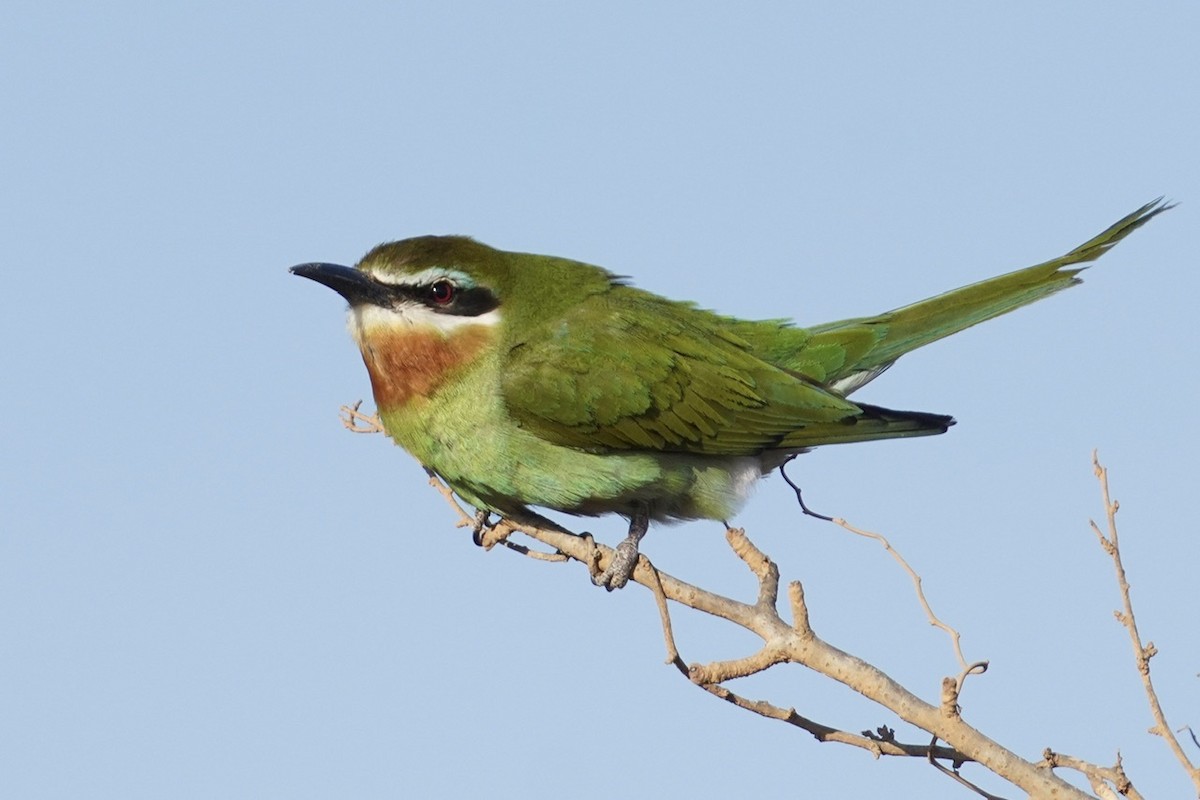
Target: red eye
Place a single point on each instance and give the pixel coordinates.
(442, 292)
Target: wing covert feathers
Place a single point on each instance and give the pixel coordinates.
(625, 369)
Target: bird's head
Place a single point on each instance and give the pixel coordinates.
(443, 283)
(423, 309)
(420, 310)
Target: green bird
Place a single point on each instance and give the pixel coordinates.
(529, 380)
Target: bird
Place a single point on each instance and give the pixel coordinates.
(530, 381)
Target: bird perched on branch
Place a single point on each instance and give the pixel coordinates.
(534, 381)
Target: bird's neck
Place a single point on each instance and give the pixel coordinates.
(412, 363)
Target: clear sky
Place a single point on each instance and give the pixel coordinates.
(209, 589)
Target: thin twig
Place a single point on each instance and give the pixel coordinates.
(824, 733)
(955, 637)
(664, 615)
(465, 520)
(487, 536)
(1105, 781)
(1142, 653)
(957, 776)
(357, 422)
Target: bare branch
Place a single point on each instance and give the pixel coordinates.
(1106, 782)
(763, 568)
(664, 615)
(1142, 653)
(823, 733)
(795, 643)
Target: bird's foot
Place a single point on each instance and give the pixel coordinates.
(625, 558)
(481, 523)
(621, 567)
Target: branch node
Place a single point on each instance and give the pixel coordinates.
(800, 621)
(744, 549)
(881, 734)
(949, 706)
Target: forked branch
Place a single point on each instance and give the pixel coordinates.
(791, 642)
(797, 643)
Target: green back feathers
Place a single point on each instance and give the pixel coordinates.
(588, 362)
(627, 369)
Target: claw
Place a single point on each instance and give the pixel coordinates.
(482, 518)
(625, 559)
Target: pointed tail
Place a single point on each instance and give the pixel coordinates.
(897, 332)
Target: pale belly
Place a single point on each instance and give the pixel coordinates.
(495, 465)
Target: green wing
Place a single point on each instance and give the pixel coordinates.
(627, 370)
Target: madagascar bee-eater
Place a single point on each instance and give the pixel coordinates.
(527, 380)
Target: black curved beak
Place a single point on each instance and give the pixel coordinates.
(357, 287)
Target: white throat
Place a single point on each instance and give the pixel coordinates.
(365, 320)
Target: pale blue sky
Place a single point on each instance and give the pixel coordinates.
(209, 589)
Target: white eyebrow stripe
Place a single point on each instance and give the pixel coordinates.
(425, 277)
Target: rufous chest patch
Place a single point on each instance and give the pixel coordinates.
(407, 364)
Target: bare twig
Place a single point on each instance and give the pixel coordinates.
(487, 536)
(1142, 653)
(824, 733)
(664, 616)
(357, 422)
(957, 776)
(976, 668)
(465, 520)
(1106, 782)
(955, 636)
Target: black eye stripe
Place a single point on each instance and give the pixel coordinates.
(471, 302)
